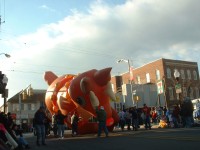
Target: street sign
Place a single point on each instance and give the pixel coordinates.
(136, 98)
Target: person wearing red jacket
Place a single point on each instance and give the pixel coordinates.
(154, 116)
(146, 110)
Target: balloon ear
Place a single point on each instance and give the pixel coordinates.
(102, 77)
(94, 100)
(49, 77)
(85, 85)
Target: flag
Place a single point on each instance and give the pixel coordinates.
(131, 73)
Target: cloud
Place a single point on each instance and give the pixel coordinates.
(139, 30)
(45, 7)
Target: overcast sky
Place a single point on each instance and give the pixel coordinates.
(73, 36)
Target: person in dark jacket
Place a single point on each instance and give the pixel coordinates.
(54, 125)
(134, 115)
(39, 122)
(60, 119)
(101, 117)
(187, 112)
(74, 121)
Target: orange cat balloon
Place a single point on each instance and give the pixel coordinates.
(82, 93)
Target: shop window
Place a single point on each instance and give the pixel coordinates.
(184, 92)
(190, 90)
(171, 93)
(117, 106)
(197, 92)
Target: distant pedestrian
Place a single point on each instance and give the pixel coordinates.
(54, 125)
(122, 119)
(154, 116)
(74, 122)
(134, 115)
(47, 124)
(128, 118)
(60, 123)
(146, 111)
(187, 112)
(164, 110)
(101, 117)
(175, 116)
(39, 122)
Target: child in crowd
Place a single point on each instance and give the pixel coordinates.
(18, 133)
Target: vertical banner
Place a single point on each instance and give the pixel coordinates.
(160, 88)
(131, 73)
(124, 92)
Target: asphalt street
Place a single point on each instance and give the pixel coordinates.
(157, 138)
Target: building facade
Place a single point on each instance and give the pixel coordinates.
(161, 74)
(29, 106)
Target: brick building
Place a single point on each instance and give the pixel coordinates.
(162, 70)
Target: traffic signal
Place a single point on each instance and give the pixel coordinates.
(1, 83)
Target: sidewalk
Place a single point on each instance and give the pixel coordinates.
(153, 126)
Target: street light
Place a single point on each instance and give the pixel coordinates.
(130, 73)
(4, 81)
(27, 91)
(126, 61)
(7, 55)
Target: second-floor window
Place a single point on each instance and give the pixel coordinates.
(25, 106)
(188, 74)
(29, 106)
(169, 73)
(182, 74)
(22, 106)
(15, 107)
(33, 107)
(138, 80)
(148, 78)
(157, 74)
(195, 75)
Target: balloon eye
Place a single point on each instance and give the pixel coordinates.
(80, 101)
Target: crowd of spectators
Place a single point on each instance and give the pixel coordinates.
(179, 115)
(11, 136)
